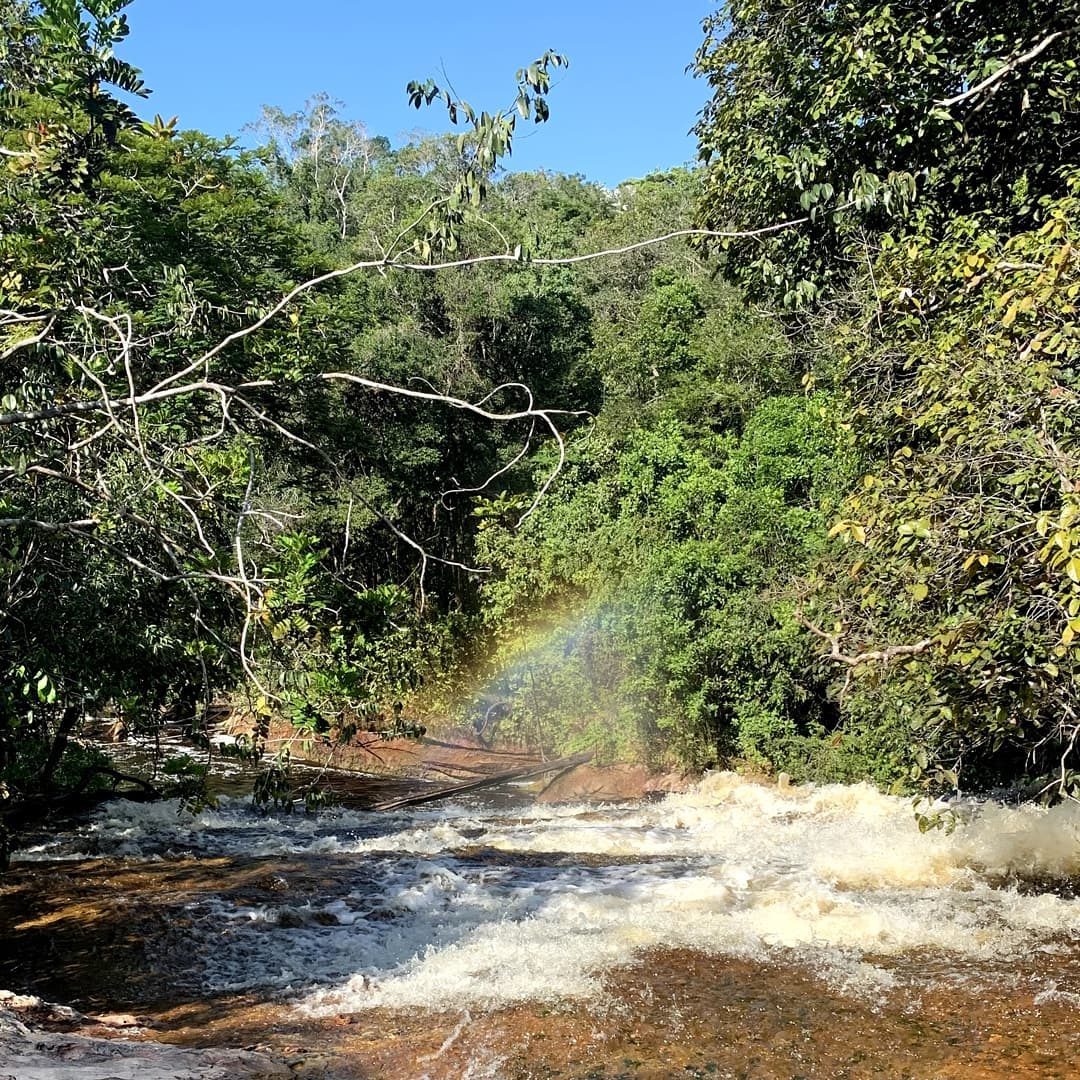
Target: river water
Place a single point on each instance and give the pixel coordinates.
(734, 929)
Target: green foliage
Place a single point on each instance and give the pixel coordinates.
(200, 546)
(116, 559)
(964, 535)
(853, 112)
(76, 770)
(845, 543)
(659, 563)
(489, 138)
(926, 150)
(58, 69)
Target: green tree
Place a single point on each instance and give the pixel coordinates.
(926, 151)
(960, 544)
(186, 478)
(853, 112)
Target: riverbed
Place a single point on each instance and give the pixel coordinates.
(732, 930)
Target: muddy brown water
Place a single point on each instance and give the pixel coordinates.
(735, 932)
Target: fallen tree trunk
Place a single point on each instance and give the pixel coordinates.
(34, 808)
(522, 773)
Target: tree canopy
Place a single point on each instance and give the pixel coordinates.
(858, 114)
(348, 432)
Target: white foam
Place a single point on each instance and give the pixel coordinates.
(464, 906)
(1053, 994)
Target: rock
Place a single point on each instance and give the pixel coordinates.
(9, 1000)
(64, 1014)
(665, 783)
(783, 781)
(11, 1026)
(28, 1054)
(609, 783)
(275, 883)
(116, 1020)
(34, 1008)
(291, 918)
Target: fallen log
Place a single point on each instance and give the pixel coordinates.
(522, 773)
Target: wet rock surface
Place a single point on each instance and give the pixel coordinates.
(733, 930)
(459, 755)
(30, 1052)
(611, 783)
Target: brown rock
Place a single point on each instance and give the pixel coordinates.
(609, 783)
(116, 1020)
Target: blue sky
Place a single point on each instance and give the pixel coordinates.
(622, 110)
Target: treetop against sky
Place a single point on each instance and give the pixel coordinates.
(623, 109)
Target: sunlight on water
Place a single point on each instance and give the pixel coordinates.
(471, 905)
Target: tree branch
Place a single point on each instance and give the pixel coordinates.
(1008, 66)
(884, 656)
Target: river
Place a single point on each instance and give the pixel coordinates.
(732, 930)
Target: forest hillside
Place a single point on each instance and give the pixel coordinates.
(364, 436)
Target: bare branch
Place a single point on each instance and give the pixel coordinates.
(1007, 66)
(883, 656)
(495, 475)
(24, 343)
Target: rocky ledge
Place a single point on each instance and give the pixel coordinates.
(30, 1051)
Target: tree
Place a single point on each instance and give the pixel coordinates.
(320, 160)
(160, 420)
(926, 151)
(960, 544)
(853, 113)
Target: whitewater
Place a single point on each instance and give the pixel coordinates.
(484, 905)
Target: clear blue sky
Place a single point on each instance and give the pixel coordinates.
(622, 110)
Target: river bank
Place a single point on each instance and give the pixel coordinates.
(451, 754)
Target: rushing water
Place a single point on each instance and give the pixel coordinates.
(474, 907)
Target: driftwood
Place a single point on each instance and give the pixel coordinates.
(522, 773)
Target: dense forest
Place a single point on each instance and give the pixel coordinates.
(357, 436)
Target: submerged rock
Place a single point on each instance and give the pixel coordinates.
(294, 919)
(29, 1054)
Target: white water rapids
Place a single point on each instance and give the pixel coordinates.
(470, 904)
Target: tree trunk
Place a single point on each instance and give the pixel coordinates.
(522, 773)
(72, 715)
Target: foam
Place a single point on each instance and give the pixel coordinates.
(468, 905)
